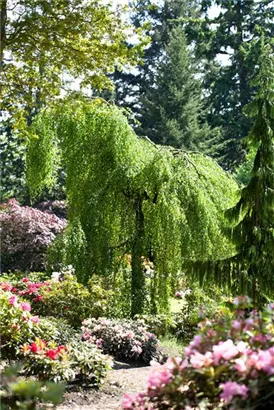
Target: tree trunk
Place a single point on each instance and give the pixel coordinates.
(138, 278)
(3, 21)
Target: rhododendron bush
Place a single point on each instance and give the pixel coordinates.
(75, 361)
(229, 364)
(26, 234)
(34, 341)
(124, 339)
(66, 299)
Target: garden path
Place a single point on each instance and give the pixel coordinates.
(124, 378)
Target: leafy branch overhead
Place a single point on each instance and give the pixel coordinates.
(43, 43)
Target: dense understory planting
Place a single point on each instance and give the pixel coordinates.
(229, 364)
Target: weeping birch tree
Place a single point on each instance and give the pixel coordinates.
(127, 195)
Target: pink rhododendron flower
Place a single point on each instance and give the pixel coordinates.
(176, 362)
(196, 341)
(236, 324)
(128, 402)
(130, 334)
(232, 389)
(240, 365)
(25, 306)
(25, 280)
(13, 300)
(266, 361)
(137, 349)
(224, 350)
(99, 343)
(6, 286)
(199, 360)
(159, 378)
(35, 319)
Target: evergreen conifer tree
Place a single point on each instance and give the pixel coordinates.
(254, 231)
(172, 108)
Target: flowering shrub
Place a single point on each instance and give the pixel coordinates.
(124, 339)
(17, 323)
(76, 360)
(229, 364)
(71, 301)
(29, 394)
(66, 299)
(25, 236)
(47, 360)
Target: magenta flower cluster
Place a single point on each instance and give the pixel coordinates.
(229, 364)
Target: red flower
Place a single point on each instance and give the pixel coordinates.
(25, 280)
(34, 348)
(52, 353)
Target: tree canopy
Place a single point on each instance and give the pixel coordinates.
(43, 40)
(128, 195)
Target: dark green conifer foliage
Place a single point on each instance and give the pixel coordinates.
(172, 109)
(233, 36)
(251, 220)
(254, 232)
(129, 196)
(132, 88)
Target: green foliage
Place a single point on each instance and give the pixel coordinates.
(160, 325)
(128, 195)
(243, 173)
(91, 364)
(13, 153)
(229, 46)
(72, 301)
(26, 394)
(252, 217)
(52, 42)
(173, 113)
(16, 325)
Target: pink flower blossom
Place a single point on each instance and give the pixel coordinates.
(240, 365)
(99, 343)
(266, 361)
(224, 350)
(159, 378)
(35, 319)
(25, 306)
(13, 300)
(128, 402)
(199, 360)
(25, 280)
(232, 389)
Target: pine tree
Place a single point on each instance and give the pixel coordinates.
(172, 109)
